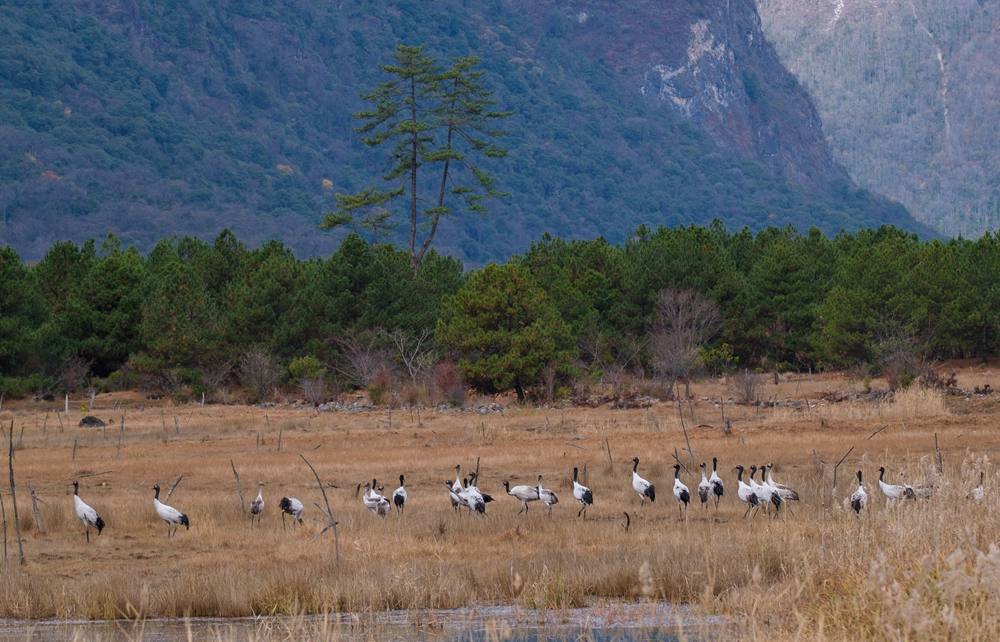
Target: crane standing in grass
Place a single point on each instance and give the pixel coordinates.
(640, 485)
(704, 487)
(582, 494)
(172, 517)
(257, 505)
(718, 488)
(681, 492)
(547, 496)
(399, 495)
(291, 506)
(859, 499)
(521, 492)
(85, 513)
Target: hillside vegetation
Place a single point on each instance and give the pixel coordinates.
(149, 121)
(909, 93)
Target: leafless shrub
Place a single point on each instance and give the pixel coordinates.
(216, 376)
(746, 384)
(684, 320)
(448, 381)
(361, 359)
(313, 390)
(73, 373)
(898, 359)
(415, 351)
(259, 374)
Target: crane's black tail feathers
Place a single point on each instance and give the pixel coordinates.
(99, 524)
(186, 522)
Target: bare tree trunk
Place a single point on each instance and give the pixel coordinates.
(239, 488)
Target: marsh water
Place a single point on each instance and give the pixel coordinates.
(625, 622)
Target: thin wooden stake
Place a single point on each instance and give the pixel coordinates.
(849, 451)
(121, 437)
(177, 426)
(74, 450)
(3, 513)
(680, 413)
(170, 492)
(607, 448)
(13, 494)
(36, 514)
(239, 488)
(940, 461)
(59, 417)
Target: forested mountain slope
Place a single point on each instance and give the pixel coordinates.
(909, 92)
(149, 119)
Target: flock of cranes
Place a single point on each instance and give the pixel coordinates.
(464, 493)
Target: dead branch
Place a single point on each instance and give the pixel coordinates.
(13, 494)
(239, 488)
(849, 451)
(331, 523)
(170, 492)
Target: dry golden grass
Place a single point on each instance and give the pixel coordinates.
(924, 570)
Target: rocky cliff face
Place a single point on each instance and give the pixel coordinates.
(909, 93)
(131, 118)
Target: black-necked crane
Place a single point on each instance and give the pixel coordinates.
(979, 492)
(399, 495)
(718, 488)
(373, 501)
(582, 494)
(547, 496)
(523, 493)
(745, 493)
(85, 513)
(704, 487)
(291, 506)
(765, 493)
(859, 499)
(456, 489)
(681, 492)
(473, 499)
(640, 485)
(473, 484)
(893, 492)
(172, 517)
(257, 505)
(786, 493)
(455, 498)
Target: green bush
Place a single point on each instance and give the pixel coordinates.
(307, 367)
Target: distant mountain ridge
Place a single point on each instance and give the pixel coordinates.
(909, 93)
(150, 121)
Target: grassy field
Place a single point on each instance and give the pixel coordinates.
(921, 570)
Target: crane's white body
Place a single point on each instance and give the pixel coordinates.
(399, 495)
(859, 498)
(293, 507)
(581, 494)
(86, 514)
(784, 492)
(257, 505)
(645, 489)
(547, 496)
(893, 492)
(704, 488)
(681, 492)
(745, 493)
(172, 517)
(523, 493)
(718, 488)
